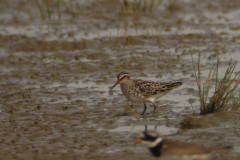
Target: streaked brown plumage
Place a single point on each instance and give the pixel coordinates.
(136, 90)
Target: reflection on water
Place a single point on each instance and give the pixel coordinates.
(162, 130)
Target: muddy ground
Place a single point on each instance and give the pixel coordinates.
(55, 76)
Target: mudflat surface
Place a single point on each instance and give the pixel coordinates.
(55, 74)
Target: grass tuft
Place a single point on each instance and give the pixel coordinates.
(142, 5)
(226, 95)
(50, 8)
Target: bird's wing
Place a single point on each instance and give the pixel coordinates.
(149, 88)
(183, 148)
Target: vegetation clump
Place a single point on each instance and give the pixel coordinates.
(227, 93)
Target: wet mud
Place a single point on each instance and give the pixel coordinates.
(55, 77)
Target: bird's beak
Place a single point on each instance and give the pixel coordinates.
(114, 85)
(139, 140)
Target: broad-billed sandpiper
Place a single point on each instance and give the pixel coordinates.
(136, 90)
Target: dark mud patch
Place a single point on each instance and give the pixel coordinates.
(211, 120)
(192, 122)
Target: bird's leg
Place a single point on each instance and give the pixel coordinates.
(145, 107)
(154, 107)
(133, 112)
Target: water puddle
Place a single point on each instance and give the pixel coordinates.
(49, 32)
(162, 130)
(89, 92)
(90, 86)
